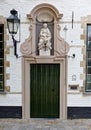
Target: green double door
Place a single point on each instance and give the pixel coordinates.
(44, 90)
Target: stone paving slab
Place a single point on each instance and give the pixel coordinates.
(44, 124)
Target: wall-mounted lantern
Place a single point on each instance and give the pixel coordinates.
(13, 23)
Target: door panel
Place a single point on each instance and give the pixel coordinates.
(44, 90)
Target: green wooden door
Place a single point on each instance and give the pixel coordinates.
(44, 90)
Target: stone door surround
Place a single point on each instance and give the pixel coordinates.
(28, 47)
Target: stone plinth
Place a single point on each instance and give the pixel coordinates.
(44, 52)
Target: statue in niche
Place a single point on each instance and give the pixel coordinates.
(44, 38)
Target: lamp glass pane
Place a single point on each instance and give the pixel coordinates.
(10, 27)
(16, 25)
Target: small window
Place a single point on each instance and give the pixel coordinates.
(1, 57)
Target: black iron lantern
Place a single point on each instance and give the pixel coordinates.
(13, 23)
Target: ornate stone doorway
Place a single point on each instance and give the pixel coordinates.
(45, 48)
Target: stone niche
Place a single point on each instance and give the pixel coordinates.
(44, 41)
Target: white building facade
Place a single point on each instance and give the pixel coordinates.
(71, 24)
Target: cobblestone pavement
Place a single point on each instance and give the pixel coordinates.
(44, 124)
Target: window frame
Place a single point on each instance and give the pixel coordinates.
(2, 59)
(88, 58)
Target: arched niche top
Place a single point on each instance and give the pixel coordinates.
(46, 9)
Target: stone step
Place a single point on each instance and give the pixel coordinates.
(45, 124)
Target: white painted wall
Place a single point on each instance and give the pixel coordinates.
(72, 36)
(79, 99)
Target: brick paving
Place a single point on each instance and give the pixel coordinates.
(44, 124)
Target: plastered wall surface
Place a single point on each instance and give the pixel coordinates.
(80, 8)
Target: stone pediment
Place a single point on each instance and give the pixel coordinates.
(44, 13)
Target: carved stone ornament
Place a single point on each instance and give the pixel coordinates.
(44, 17)
(26, 46)
(62, 46)
(44, 13)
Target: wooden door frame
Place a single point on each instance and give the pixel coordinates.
(26, 61)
